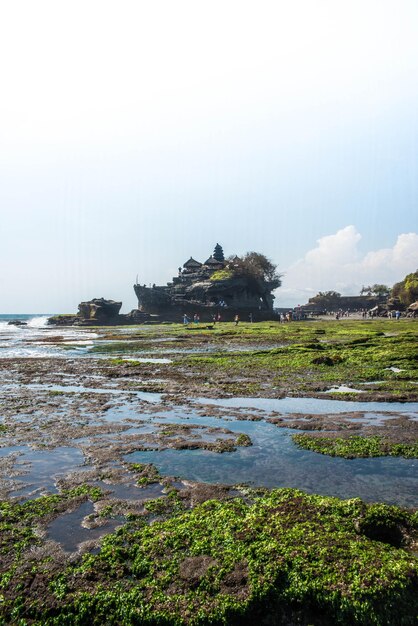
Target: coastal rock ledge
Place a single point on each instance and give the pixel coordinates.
(99, 312)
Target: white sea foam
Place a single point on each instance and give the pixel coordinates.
(38, 322)
(27, 340)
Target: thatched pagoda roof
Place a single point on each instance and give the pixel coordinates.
(192, 263)
(212, 261)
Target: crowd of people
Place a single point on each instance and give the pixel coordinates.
(297, 315)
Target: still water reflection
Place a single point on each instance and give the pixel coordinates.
(274, 461)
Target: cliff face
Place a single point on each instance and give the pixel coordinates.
(197, 293)
(226, 288)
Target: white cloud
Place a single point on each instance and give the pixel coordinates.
(336, 263)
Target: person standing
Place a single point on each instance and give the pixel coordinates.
(236, 320)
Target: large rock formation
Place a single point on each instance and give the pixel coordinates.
(240, 286)
(99, 312)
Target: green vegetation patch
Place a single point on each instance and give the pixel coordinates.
(356, 446)
(287, 557)
(146, 473)
(311, 353)
(222, 275)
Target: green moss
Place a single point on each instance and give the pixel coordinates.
(356, 446)
(146, 473)
(127, 362)
(351, 352)
(243, 440)
(222, 275)
(287, 558)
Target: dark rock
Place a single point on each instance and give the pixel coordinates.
(99, 310)
(135, 317)
(62, 320)
(216, 290)
(17, 323)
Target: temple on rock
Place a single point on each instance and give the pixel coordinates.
(219, 286)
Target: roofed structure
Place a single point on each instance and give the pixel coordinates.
(213, 263)
(200, 288)
(192, 264)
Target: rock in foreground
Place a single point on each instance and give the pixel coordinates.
(99, 312)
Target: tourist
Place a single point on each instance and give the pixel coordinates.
(250, 317)
(398, 315)
(196, 318)
(236, 320)
(185, 319)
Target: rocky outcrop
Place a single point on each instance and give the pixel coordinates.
(237, 286)
(100, 312)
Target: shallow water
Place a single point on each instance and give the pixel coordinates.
(275, 461)
(272, 461)
(311, 405)
(343, 389)
(67, 530)
(41, 468)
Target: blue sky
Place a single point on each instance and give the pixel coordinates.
(136, 134)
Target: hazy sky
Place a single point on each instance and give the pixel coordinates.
(135, 134)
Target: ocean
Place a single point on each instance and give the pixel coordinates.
(30, 340)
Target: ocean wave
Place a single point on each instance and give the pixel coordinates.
(39, 321)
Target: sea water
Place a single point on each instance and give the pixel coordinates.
(28, 340)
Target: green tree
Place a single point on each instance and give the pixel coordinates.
(407, 289)
(375, 290)
(258, 267)
(380, 290)
(330, 295)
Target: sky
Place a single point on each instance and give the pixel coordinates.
(135, 134)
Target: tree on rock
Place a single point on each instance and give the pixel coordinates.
(375, 290)
(258, 267)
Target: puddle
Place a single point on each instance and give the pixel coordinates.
(310, 405)
(148, 396)
(129, 491)
(40, 468)
(148, 360)
(374, 382)
(67, 530)
(343, 389)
